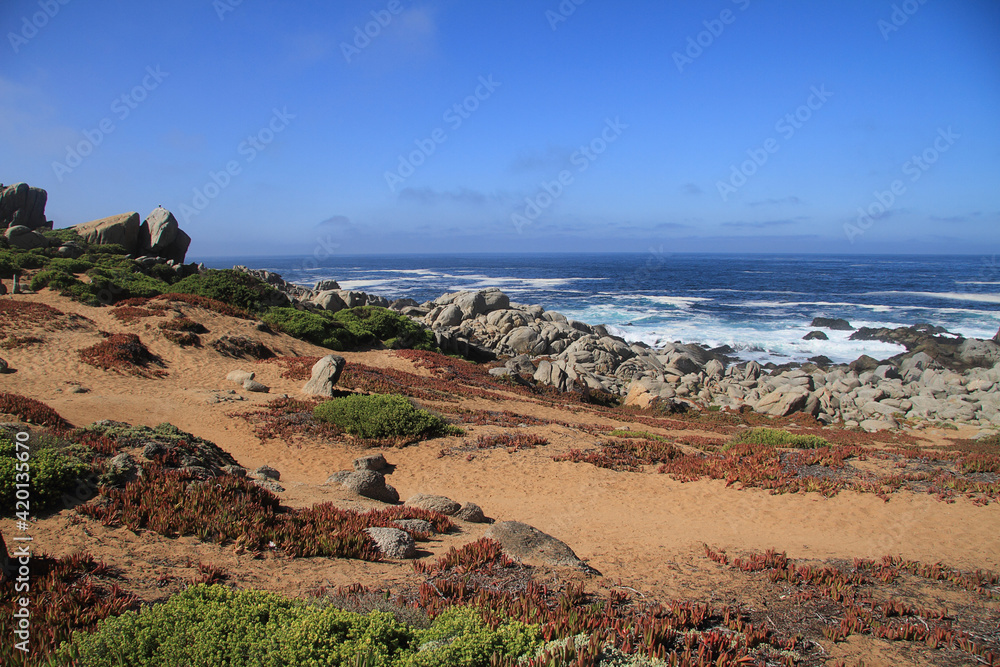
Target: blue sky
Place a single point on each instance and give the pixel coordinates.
(725, 125)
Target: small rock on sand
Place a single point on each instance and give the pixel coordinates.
(527, 543)
(393, 542)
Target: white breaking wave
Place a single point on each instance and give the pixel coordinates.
(954, 296)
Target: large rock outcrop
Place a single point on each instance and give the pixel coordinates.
(122, 229)
(158, 236)
(21, 204)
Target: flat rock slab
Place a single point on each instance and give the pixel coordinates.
(527, 543)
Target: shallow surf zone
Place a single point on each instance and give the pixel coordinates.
(761, 306)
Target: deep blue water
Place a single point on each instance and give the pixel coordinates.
(759, 304)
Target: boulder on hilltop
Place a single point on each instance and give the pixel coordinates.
(21, 204)
(122, 229)
(158, 235)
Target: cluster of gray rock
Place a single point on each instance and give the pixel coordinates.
(156, 240)
(939, 377)
(367, 479)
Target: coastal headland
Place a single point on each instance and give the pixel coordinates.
(188, 431)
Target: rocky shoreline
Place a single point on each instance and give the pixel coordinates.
(940, 377)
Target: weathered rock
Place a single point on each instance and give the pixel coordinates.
(25, 238)
(177, 249)
(864, 363)
(122, 229)
(982, 353)
(714, 369)
(4, 366)
(267, 472)
(268, 484)
(528, 544)
(253, 385)
(784, 401)
(450, 316)
(834, 324)
(157, 231)
(123, 468)
(370, 462)
(22, 205)
(416, 525)
(324, 285)
(369, 484)
(815, 335)
(330, 300)
(325, 374)
(393, 542)
(433, 503)
(471, 512)
(239, 377)
(234, 470)
(887, 372)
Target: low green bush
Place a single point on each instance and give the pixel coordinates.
(370, 324)
(381, 416)
(318, 328)
(54, 279)
(49, 471)
(7, 266)
(69, 265)
(774, 437)
(61, 236)
(209, 626)
(348, 329)
(233, 287)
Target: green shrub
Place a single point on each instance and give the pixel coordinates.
(7, 266)
(352, 328)
(64, 235)
(460, 638)
(56, 280)
(69, 265)
(318, 328)
(233, 287)
(30, 259)
(774, 437)
(109, 285)
(380, 416)
(51, 472)
(108, 249)
(370, 324)
(209, 626)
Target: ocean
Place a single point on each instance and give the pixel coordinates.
(760, 305)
